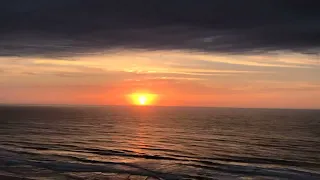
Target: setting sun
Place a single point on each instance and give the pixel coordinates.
(142, 99)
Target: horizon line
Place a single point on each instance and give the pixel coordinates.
(110, 105)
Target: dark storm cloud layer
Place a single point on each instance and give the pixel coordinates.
(69, 27)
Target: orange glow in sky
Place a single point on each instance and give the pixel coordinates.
(164, 78)
(143, 99)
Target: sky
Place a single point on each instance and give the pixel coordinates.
(223, 53)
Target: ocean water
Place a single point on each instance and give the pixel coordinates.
(158, 142)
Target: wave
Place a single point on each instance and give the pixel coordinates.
(69, 163)
(167, 143)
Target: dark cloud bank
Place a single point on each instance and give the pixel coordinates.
(70, 27)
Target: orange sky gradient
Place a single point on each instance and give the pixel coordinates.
(178, 78)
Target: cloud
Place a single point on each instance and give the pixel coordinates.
(77, 27)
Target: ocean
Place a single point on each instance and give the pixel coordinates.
(114, 142)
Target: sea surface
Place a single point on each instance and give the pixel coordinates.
(159, 143)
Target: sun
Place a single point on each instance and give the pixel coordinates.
(142, 99)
